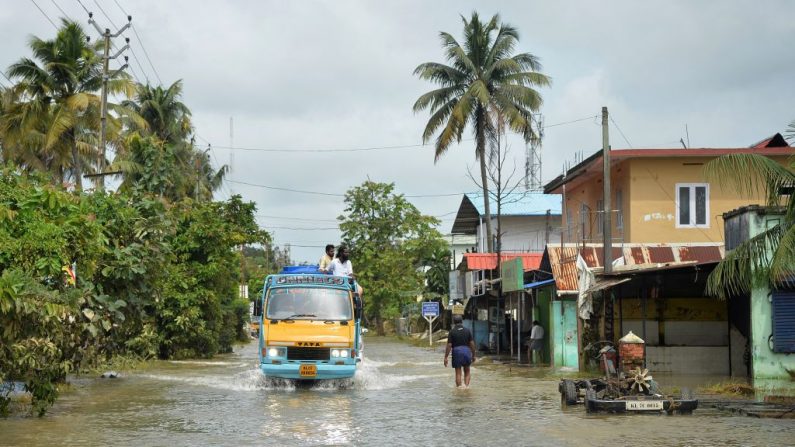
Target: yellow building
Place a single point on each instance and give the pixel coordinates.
(659, 195)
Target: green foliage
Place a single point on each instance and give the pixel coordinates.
(153, 279)
(389, 241)
(156, 263)
(767, 259)
(483, 83)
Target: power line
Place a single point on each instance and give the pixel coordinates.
(65, 15)
(571, 122)
(301, 191)
(619, 131)
(301, 228)
(105, 14)
(146, 53)
(132, 50)
(295, 218)
(84, 7)
(45, 14)
(367, 148)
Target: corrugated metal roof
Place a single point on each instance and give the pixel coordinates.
(488, 261)
(515, 204)
(521, 204)
(562, 260)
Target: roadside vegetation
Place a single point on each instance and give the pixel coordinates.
(99, 278)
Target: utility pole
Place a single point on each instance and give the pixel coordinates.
(607, 243)
(106, 57)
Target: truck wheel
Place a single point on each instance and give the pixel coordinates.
(590, 395)
(568, 392)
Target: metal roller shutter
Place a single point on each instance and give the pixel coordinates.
(784, 321)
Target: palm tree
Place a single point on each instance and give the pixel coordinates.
(165, 116)
(768, 258)
(483, 80)
(51, 118)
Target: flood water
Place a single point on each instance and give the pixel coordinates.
(402, 396)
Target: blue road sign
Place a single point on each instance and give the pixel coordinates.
(430, 309)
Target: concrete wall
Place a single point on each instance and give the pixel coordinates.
(682, 333)
(525, 233)
(766, 364)
(648, 189)
(712, 360)
(653, 200)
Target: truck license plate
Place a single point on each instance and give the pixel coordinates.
(311, 371)
(643, 405)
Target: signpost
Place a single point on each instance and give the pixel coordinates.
(430, 310)
(512, 275)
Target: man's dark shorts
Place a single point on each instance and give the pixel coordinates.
(462, 356)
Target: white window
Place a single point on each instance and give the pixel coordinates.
(692, 205)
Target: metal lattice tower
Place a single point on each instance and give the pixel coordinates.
(532, 165)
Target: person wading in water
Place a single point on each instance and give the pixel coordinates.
(462, 345)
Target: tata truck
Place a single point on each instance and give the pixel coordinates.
(310, 325)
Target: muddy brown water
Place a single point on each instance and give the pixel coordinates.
(402, 396)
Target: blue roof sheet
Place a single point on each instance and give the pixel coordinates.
(520, 204)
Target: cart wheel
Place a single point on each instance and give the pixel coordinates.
(568, 392)
(590, 395)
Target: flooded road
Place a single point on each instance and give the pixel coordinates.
(402, 396)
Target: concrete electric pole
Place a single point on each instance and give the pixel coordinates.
(607, 242)
(106, 57)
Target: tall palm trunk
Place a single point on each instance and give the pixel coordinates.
(480, 137)
(76, 169)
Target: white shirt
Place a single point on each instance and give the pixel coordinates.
(537, 333)
(338, 268)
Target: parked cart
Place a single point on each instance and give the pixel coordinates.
(628, 389)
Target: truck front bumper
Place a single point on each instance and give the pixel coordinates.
(325, 371)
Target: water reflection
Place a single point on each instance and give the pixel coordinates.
(402, 395)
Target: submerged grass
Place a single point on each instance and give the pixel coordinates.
(729, 388)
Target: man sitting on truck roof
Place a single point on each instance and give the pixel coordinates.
(341, 266)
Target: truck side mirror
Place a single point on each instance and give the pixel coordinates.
(258, 307)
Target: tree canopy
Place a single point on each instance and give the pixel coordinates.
(483, 81)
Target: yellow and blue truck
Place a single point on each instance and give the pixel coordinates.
(310, 325)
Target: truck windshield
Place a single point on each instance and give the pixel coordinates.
(304, 303)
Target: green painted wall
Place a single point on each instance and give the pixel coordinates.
(766, 364)
(563, 333)
(541, 313)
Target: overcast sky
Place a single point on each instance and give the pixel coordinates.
(338, 75)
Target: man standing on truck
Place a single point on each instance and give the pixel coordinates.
(462, 345)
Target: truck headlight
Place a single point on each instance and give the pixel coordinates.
(337, 353)
(277, 351)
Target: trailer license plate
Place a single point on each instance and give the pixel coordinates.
(308, 370)
(643, 405)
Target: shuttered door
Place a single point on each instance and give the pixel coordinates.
(784, 321)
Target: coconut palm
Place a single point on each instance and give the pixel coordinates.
(165, 116)
(51, 117)
(767, 259)
(483, 77)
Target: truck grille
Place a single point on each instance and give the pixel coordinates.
(308, 353)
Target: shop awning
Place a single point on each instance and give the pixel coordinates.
(536, 284)
(488, 261)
